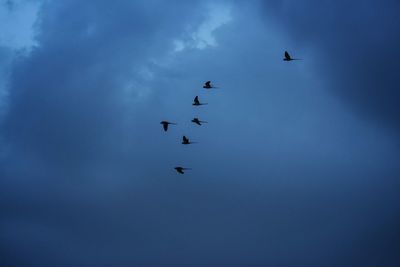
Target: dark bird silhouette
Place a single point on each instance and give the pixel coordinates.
(289, 58)
(165, 124)
(196, 102)
(181, 169)
(207, 85)
(185, 141)
(197, 121)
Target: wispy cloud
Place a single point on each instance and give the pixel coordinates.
(216, 15)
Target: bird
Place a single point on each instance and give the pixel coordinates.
(197, 121)
(181, 169)
(196, 102)
(185, 141)
(207, 85)
(166, 123)
(289, 58)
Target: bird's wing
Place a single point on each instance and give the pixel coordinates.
(185, 139)
(165, 126)
(208, 83)
(287, 56)
(196, 99)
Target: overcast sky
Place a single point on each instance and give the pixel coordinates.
(299, 164)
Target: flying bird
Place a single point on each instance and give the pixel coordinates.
(181, 169)
(165, 124)
(185, 141)
(197, 121)
(289, 58)
(196, 102)
(207, 85)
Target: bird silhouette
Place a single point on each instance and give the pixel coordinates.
(289, 58)
(185, 141)
(207, 85)
(196, 102)
(181, 169)
(165, 124)
(197, 121)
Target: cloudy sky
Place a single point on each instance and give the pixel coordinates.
(299, 164)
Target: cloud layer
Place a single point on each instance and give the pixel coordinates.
(297, 166)
(354, 45)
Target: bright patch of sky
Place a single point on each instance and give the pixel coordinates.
(204, 37)
(17, 19)
(17, 33)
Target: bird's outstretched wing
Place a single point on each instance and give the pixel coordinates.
(208, 83)
(287, 56)
(165, 126)
(196, 100)
(185, 139)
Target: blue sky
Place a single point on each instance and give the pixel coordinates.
(298, 165)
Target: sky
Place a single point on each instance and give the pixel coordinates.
(298, 164)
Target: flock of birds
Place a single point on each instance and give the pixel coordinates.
(196, 102)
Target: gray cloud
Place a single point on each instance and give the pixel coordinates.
(354, 45)
(284, 174)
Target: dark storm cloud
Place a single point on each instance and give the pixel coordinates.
(284, 175)
(78, 76)
(67, 123)
(355, 45)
